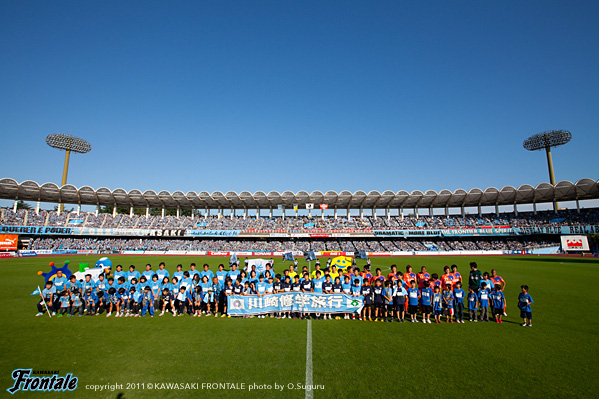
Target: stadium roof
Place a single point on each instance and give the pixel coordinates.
(525, 194)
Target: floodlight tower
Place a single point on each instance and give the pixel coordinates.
(546, 140)
(68, 143)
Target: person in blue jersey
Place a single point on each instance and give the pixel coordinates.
(125, 302)
(101, 283)
(88, 283)
(119, 273)
(317, 281)
(162, 272)
(216, 289)
(448, 302)
(168, 302)
(166, 284)
(399, 294)
(100, 303)
(378, 292)
(483, 300)
(221, 275)
(115, 303)
(76, 303)
(60, 282)
(90, 300)
(270, 286)
(346, 288)
(143, 283)
(498, 301)
(197, 301)
(253, 279)
(207, 272)
(306, 284)
(195, 281)
(109, 284)
(296, 286)
(233, 273)
(248, 289)
(186, 281)
(388, 296)
(366, 292)
(357, 276)
(207, 294)
(472, 303)
(238, 286)
(176, 285)
(193, 271)
(148, 273)
(458, 300)
(356, 287)
(437, 303)
(524, 304)
(134, 301)
(413, 300)
(327, 288)
(180, 301)
(133, 273)
(133, 284)
(261, 290)
(269, 269)
(179, 273)
(147, 302)
(72, 284)
(227, 291)
(155, 288)
(64, 302)
(426, 297)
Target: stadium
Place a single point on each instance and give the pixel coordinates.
(413, 230)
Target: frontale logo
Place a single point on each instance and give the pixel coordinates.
(53, 383)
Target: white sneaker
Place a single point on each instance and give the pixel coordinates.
(530, 325)
(53, 313)
(505, 314)
(39, 314)
(428, 321)
(108, 315)
(523, 324)
(161, 314)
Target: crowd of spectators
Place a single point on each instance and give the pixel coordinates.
(272, 245)
(297, 225)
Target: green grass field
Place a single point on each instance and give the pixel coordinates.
(555, 358)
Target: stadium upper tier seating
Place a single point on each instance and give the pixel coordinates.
(297, 225)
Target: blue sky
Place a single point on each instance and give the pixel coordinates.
(310, 95)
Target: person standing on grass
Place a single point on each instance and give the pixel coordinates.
(483, 299)
(437, 304)
(378, 293)
(413, 299)
(495, 279)
(426, 297)
(399, 297)
(366, 292)
(475, 276)
(456, 275)
(472, 303)
(524, 302)
(498, 303)
(423, 278)
(458, 301)
(448, 302)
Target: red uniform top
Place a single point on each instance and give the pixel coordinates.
(457, 277)
(433, 284)
(497, 280)
(408, 278)
(422, 278)
(447, 279)
(366, 276)
(381, 277)
(392, 277)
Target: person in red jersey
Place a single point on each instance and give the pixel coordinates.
(366, 275)
(423, 278)
(446, 278)
(499, 280)
(435, 282)
(456, 275)
(393, 275)
(378, 276)
(409, 276)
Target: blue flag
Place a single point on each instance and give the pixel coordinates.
(309, 256)
(288, 256)
(36, 292)
(233, 259)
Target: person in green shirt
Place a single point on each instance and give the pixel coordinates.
(475, 276)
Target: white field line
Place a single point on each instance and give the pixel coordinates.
(309, 391)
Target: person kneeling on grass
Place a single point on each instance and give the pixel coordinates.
(524, 302)
(168, 302)
(76, 302)
(65, 303)
(91, 299)
(114, 301)
(135, 298)
(47, 295)
(197, 302)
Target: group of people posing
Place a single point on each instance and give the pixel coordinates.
(196, 293)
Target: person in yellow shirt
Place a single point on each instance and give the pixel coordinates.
(292, 272)
(313, 275)
(334, 273)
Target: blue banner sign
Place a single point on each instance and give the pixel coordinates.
(212, 233)
(36, 230)
(294, 302)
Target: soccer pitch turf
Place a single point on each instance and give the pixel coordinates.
(557, 357)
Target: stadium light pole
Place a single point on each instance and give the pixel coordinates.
(546, 140)
(67, 143)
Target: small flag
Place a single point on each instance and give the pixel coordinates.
(36, 292)
(309, 255)
(288, 256)
(324, 206)
(295, 207)
(309, 206)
